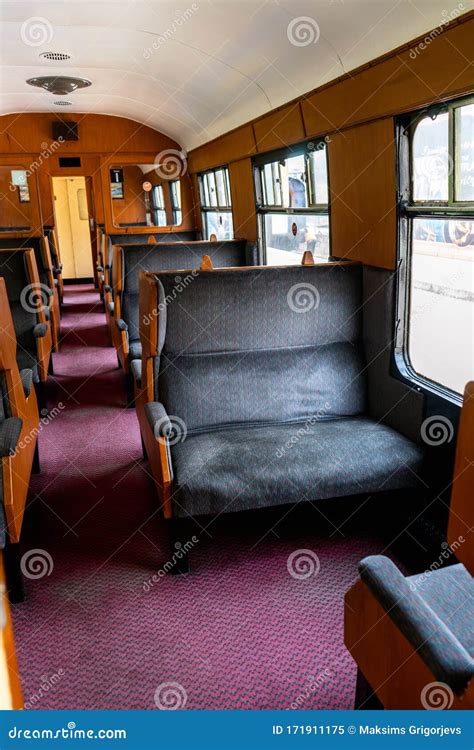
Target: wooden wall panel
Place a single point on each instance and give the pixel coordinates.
(98, 134)
(397, 84)
(362, 181)
(243, 199)
(229, 147)
(279, 128)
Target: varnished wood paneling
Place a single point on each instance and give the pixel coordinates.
(227, 148)
(279, 128)
(243, 199)
(362, 182)
(98, 134)
(399, 83)
(461, 515)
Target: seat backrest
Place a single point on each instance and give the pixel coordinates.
(461, 511)
(18, 268)
(141, 239)
(257, 345)
(133, 259)
(53, 247)
(42, 255)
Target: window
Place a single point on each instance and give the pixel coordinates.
(437, 240)
(158, 201)
(292, 203)
(216, 204)
(175, 190)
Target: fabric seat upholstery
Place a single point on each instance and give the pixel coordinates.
(185, 255)
(273, 398)
(434, 611)
(274, 464)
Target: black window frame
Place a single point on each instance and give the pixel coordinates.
(407, 210)
(303, 148)
(204, 194)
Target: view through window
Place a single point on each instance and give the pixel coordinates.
(440, 215)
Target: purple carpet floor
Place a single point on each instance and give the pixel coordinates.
(258, 624)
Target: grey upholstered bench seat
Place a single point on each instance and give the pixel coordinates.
(434, 611)
(246, 467)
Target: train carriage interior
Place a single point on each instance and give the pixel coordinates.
(237, 355)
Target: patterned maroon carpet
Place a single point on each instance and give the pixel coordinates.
(240, 632)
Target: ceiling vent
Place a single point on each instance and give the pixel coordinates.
(59, 85)
(62, 103)
(56, 56)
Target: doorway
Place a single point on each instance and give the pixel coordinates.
(72, 225)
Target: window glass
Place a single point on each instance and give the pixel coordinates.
(439, 217)
(431, 162)
(465, 153)
(159, 206)
(441, 331)
(216, 204)
(220, 224)
(293, 208)
(175, 188)
(287, 236)
(318, 176)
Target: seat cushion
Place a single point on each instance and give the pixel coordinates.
(450, 593)
(135, 349)
(274, 464)
(27, 361)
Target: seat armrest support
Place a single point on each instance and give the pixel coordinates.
(439, 648)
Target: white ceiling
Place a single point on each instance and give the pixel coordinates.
(217, 63)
